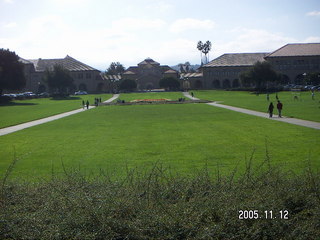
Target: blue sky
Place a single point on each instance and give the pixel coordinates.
(98, 32)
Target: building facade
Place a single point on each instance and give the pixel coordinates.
(224, 71)
(85, 77)
(148, 73)
(294, 61)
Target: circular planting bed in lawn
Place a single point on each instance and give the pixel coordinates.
(155, 101)
(150, 100)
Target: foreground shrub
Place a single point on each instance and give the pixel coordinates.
(161, 205)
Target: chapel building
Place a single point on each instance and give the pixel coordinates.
(148, 74)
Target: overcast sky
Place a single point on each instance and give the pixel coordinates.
(98, 32)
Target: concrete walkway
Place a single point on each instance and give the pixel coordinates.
(304, 123)
(114, 97)
(19, 127)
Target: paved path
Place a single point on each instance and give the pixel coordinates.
(114, 97)
(19, 127)
(295, 121)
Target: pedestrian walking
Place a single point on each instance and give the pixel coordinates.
(312, 94)
(191, 94)
(279, 107)
(87, 104)
(83, 104)
(270, 110)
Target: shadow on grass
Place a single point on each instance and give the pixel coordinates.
(17, 104)
(65, 98)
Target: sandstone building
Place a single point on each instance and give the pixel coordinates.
(224, 71)
(148, 73)
(85, 77)
(294, 60)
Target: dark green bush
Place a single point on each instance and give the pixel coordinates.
(161, 205)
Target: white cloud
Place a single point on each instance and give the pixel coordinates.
(8, 1)
(182, 25)
(312, 39)
(160, 6)
(314, 14)
(175, 51)
(10, 25)
(137, 23)
(70, 3)
(252, 40)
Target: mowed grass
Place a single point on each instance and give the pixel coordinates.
(304, 108)
(151, 95)
(184, 137)
(20, 111)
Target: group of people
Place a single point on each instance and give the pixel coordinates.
(279, 107)
(97, 101)
(86, 104)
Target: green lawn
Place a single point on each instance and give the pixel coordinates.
(305, 108)
(150, 95)
(20, 111)
(185, 137)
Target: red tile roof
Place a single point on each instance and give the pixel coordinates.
(68, 62)
(236, 59)
(297, 49)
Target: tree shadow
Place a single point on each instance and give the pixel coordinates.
(65, 98)
(17, 104)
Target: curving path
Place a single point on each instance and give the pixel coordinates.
(19, 127)
(300, 122)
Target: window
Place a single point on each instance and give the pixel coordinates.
(80, 75)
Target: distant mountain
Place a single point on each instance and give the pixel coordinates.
(194, 67)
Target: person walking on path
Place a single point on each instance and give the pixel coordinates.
(270, 109)
(279, 107)
(87, 104)
(191, 94)
(83, 105)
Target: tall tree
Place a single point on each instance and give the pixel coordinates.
(11, 71)
(181, 67)
(128, 85)
(59, 80)
(115, 68)
(206, 49)
(313, 78)
(200, 48)
(187, 66)
(169, 83)
(259, 75)
(246, 79)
